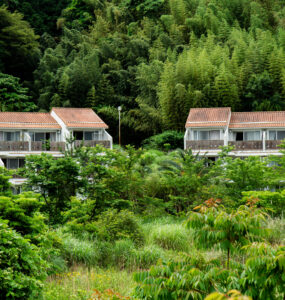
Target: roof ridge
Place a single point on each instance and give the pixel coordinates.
(250, 112)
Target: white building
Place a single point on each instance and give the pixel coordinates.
(251, 133)
(25, 133)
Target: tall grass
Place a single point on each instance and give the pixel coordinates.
(81, 251)
(276, 233)
(171, 237)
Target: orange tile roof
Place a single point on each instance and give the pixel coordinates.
(208, 117)
(258, 119)
(79, 117)
(27, 120)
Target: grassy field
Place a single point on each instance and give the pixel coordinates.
(165, 238)
(83, 283)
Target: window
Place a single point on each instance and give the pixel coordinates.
(272, 136)
(11, 136)
(88, 136)
(247, 136)
(252, 136)
(239, 136)
(42, 136)
(39, 136)
(13, 163)
(96, 135)
(78, 135)
(92, 135)
(276, 135)
(207, 135)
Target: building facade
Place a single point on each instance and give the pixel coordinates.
(25, 133)
(251, 133)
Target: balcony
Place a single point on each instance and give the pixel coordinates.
(105, 143)
(14, 146)
(246, 145)
(47, 146)
(272, 145)
(204, 144)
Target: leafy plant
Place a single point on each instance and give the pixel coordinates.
(113, 225)
(22, 269)
(229, 230)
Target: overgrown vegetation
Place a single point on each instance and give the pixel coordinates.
(159, 215)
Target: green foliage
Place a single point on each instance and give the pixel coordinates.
(19, 47)
(76, 250)
(13, 97)
(42, 15)
(268, 284)
(21, 267)
(56, 180)
(165, 141)
(5, 186)
(194, 277)
(113, 225)
(22, 213)
(234, 175)
(172, 236)
(230, 230)
(273, 201)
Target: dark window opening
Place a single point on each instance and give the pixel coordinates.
(78, 135)
(239, 136)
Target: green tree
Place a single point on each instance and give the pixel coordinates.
(229, 230)
(55, 179)
(13, 96)
(19, 50)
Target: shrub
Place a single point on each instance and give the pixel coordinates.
(165, 141)
(274, 201)
(21, 266)
(113, 225)
(22, 213)
(171, 237)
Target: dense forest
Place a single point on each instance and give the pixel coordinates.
(155, 58)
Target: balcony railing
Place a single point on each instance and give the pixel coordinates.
(105, 143)
(47, 146)
(14, 146)
(204, 145)
(272, 144)
(246, 145)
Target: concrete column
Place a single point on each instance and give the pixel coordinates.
(263, 140)
(226, 137)
(28, 138)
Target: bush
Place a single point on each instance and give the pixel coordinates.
(113, 225)
(22, 213)
(274, 201)
(171, 237)
(21, 266)
(165, 141)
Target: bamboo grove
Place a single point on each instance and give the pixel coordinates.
(155, 58)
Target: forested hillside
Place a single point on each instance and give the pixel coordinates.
(155, 58)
